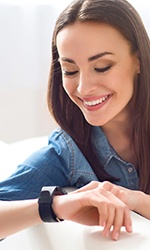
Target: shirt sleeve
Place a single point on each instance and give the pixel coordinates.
(48, 166)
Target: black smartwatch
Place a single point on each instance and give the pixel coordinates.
(45, 203)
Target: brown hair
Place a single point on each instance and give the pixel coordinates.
(121, 15)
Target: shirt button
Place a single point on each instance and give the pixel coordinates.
(130, 170)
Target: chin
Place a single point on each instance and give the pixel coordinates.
(95, 123)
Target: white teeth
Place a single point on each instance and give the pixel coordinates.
(93, 103)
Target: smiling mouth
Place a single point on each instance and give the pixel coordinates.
(96, 102)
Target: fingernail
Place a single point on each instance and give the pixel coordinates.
(104, 224)
(107, 235)
(116, 236)
(130, 229)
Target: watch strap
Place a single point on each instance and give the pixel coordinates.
(45, 203)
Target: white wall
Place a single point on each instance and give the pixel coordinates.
(25, 34)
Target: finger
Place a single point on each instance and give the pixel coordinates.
(89, 186)
(111, 187)
(122, 218)
(107, 185)
(115, 190)
(128, 221)
(107, 215)
(110, 220)
(118, 223)
(103, 214)
(96, 199)
(116, 211)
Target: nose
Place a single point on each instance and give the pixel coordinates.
(86, 84)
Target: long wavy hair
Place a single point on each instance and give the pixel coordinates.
(121, 15)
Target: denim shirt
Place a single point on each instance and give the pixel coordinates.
(62, 163)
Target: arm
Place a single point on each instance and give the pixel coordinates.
(94, 205)
(137, 201)
(142, 205)
(88, 205)
(17, 215)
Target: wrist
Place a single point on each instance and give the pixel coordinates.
(56, 206)
(139, 200)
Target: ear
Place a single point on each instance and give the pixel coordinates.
(137, 62)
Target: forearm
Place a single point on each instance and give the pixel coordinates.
(142, 205)
(17, 215)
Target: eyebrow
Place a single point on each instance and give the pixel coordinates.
(90, 59)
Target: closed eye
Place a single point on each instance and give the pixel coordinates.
(102, 70)
(70, 73)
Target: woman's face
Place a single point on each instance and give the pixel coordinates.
(98, 70)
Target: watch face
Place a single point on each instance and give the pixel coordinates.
(54, 190)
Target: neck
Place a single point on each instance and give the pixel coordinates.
(120, 127)
(119, 134)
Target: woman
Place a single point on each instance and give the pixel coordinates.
(98, 93)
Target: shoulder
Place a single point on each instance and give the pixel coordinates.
(61, 140)
(59, 134)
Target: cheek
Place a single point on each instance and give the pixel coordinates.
(68, 86)
(123, 80)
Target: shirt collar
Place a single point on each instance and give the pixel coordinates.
(102, 145)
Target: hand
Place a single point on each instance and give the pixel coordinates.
(94, 205)
(127, 196)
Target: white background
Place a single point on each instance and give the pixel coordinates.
(25, 36)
